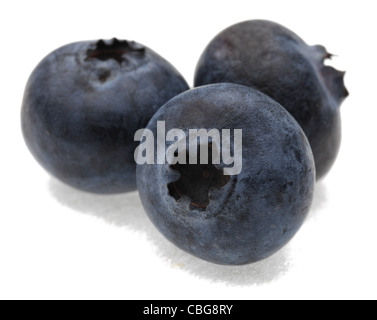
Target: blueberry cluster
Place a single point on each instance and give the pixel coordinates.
(84, 103)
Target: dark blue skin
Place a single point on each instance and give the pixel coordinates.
(274, 60)
(250, 216)
(83, 104)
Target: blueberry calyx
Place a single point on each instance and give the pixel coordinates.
(332, 78)
(115, 49)
(196, 182)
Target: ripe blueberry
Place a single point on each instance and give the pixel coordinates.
(274, 60)
(236, 219)
(83, 104)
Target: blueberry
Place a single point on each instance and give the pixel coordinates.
(229, 219)
(83, 104)
(274, 60)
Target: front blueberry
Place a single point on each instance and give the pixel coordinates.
(229, 219)
(84, 102)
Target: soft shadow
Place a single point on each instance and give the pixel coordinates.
(126, 210)
(258, 273)
(319, 200)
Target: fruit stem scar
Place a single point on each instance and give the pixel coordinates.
(196, 181)
(116, 50)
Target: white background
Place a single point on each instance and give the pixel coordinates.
(59, 243)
